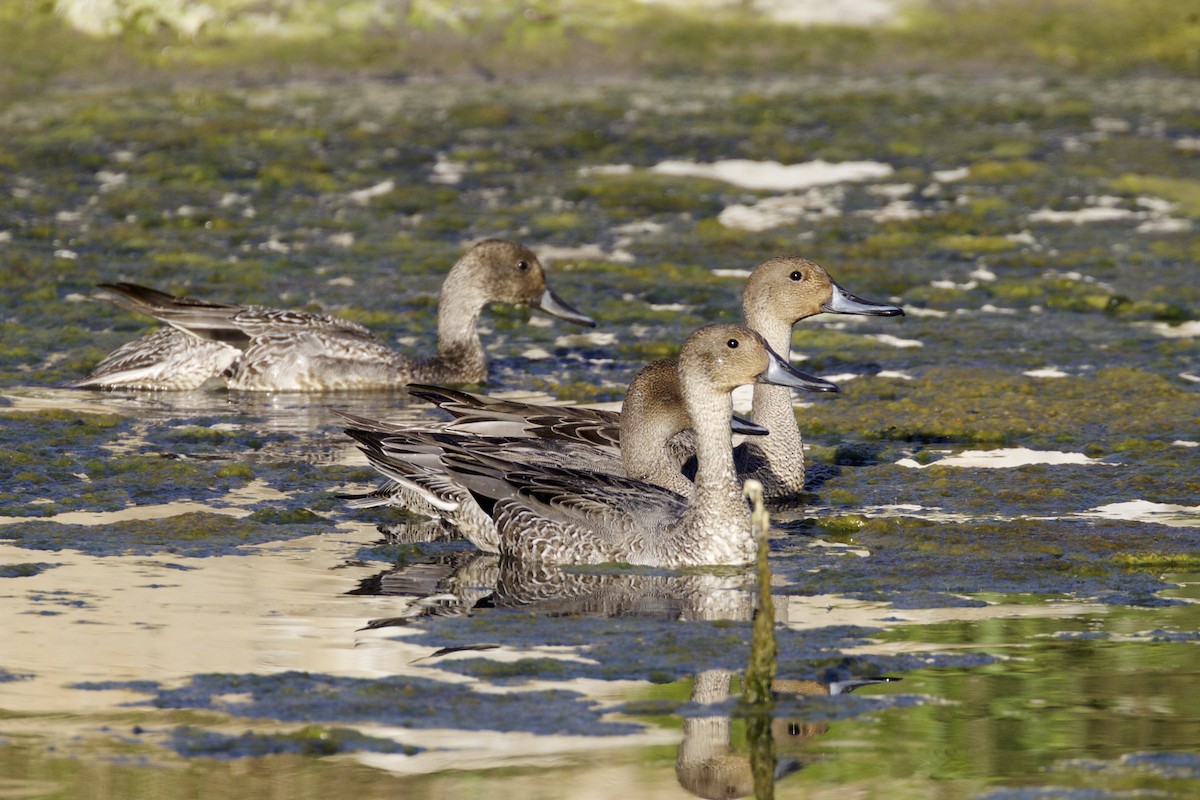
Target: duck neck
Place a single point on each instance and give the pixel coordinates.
(718, 494)
(460, 357)
(645, 449)
(772, 408)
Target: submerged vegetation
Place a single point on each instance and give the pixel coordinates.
(509, 39)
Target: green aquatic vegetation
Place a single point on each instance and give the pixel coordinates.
(972, 246)
(1160, 562)
(399, 700)
(1045, 557)
(1005, 171)
(312, 740)
(628, 197)
(985, 406)
(522, 670)
(193, 535)
(25, 570)
(291, 516)
(1184, 192)
(1069, 294)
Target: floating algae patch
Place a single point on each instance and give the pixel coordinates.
(56, 460)
(210, 437)
(403, 701)
(644, 649)
(24, 570)
(1032, 490)
(308, 741)
(971, 404)
(192, 535)
(918, 563)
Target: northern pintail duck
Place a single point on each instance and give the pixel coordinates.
(565, 516)
(256, 348)
(778, 294)
(580, 438)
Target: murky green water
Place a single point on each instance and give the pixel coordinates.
(1004, 504)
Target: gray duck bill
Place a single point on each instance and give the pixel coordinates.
(781, 373)
(553, 304)
(746, 427)
(843, 302)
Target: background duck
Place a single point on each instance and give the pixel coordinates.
(256, 348)
(778, 294)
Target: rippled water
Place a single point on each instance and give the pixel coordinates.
(1005, 497)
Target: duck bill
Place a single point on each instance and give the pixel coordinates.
(842, 302)
(746, 427)
(553, 304)
(781, 373)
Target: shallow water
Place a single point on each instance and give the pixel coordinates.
(1004, 498)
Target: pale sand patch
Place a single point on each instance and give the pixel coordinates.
(1184, 330)
(895, 341)
(364, 196)
(593, 338)
(586, 252)
(774, 176)
(1179, 516)
(1083, 215)
(772, 212)
(1003, 459)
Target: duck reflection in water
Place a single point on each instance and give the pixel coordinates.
(708, 766)
(460, 582)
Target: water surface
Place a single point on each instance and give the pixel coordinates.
(1004, 498)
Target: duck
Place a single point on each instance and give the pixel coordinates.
(560, 515)
(408, 455)
(779, 293)
(257, 348)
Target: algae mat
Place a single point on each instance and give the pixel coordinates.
(1004, 499)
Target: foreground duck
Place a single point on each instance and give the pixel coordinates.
(778, 294)
(580, 438)
(567, 516)
(256, 348)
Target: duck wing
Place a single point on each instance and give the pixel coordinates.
(166, 359)
(605, 507)
(492, 416)
(224, 322)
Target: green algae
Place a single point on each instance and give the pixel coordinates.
(987, 407)
(1183, 192)
(23, 570)
(628, 197)
(194, 534)
(525, 182)
(310, 741)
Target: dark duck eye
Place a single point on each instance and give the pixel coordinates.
(797, 275)
(732, 344)
(523, 266)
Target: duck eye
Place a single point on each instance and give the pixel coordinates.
(732, 344)
(523, 265)
(797, 275)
